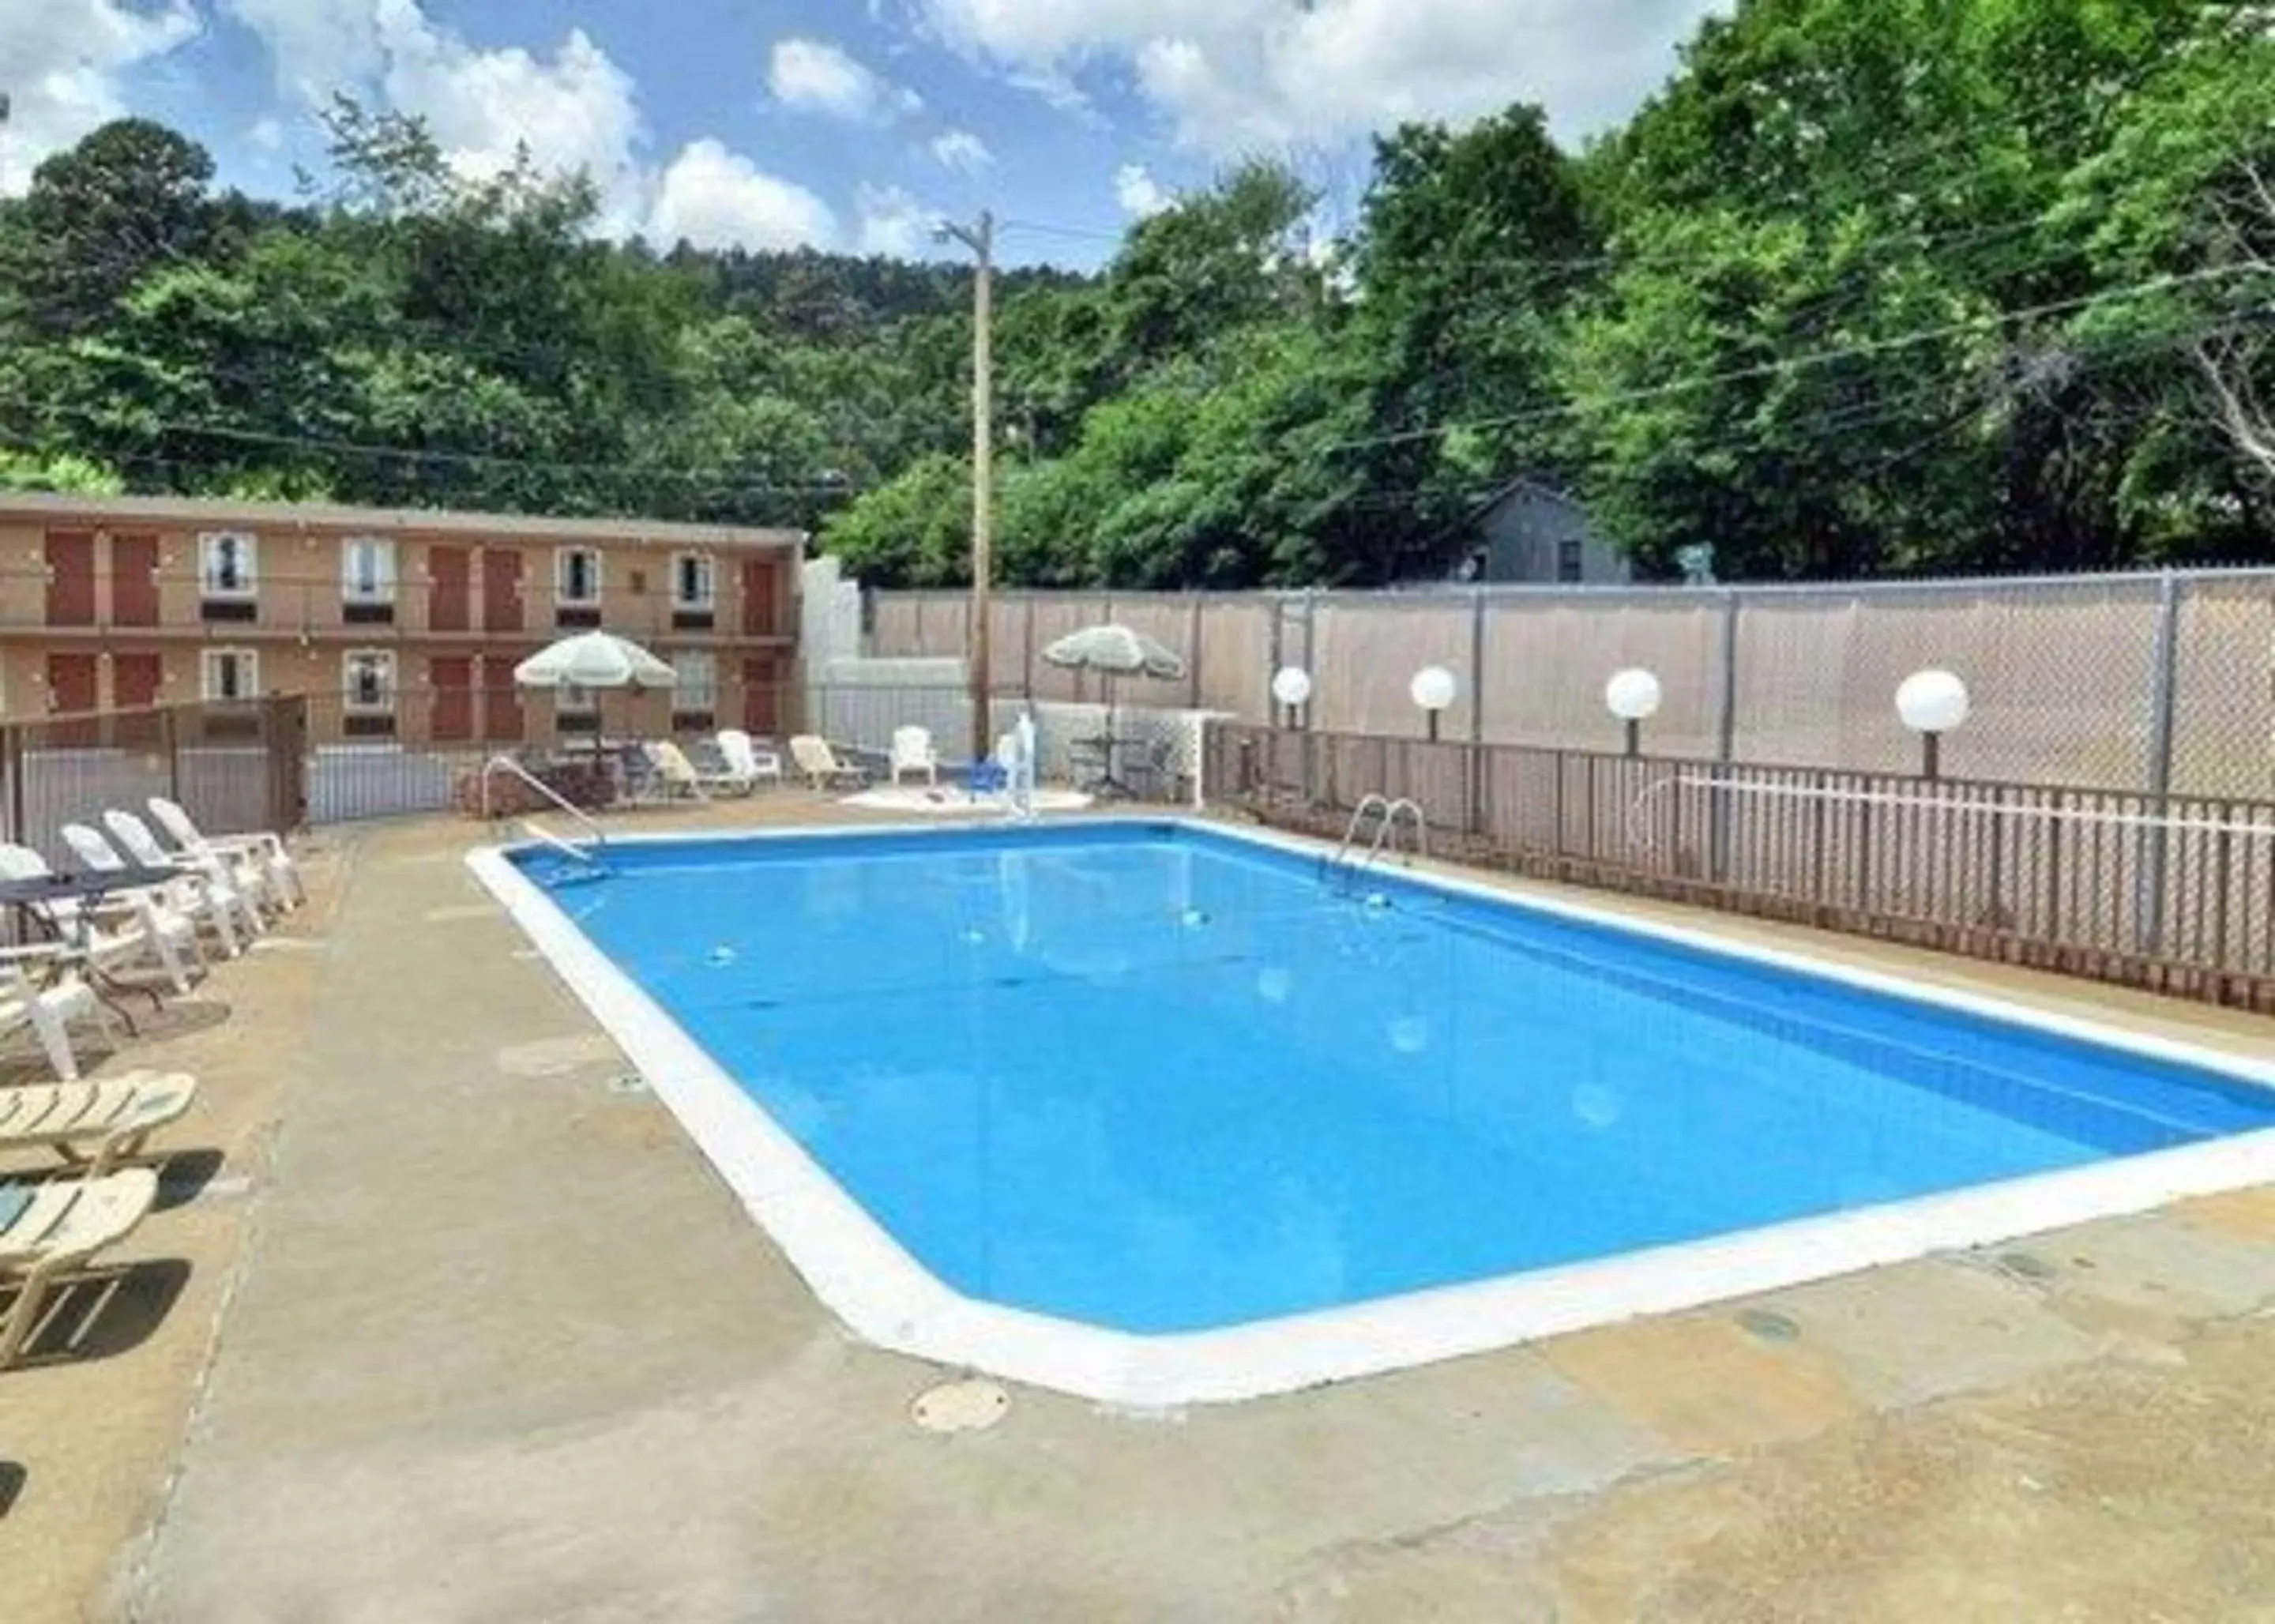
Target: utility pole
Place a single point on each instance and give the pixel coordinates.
(980, 239)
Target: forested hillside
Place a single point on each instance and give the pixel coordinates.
(1871, 286)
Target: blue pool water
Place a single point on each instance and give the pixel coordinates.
(1157, 1079)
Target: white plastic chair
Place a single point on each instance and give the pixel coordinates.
(160, 929)
(912, 752)
(265, 866)
(821, 763)
(48, 1002)
(210, 889)
(63, 1225)
(136, 928)
(746, 764)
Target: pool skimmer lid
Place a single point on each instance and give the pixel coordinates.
(971, 1406)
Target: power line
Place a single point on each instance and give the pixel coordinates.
(1799, 363)
(306, 442)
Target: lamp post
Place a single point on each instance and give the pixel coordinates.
(1634, 696)
(1931, 704)
(1291, 686)
(1434, 690)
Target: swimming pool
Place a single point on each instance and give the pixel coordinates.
(1155, 1112)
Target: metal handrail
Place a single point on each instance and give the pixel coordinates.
(1369, 802)
(1386, 829)
(506, 764)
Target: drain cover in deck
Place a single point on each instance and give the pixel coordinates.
(960, 1407)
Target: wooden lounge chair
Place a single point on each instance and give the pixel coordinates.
(48, 1231)
(94, 1125)
(821, 763)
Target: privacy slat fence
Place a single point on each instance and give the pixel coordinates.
(2152, 683)
(2175, 893)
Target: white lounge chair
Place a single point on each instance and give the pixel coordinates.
(42, 988)
(48, 1231)
(821, 763)
(131, 927)
(205, 891)
(93, 1126)
(912, 752)
(264, 864)
(747, 766)
(673, 770)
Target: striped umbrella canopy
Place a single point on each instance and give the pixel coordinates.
(1116, 651)
(594, 659)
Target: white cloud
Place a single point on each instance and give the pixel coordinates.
(574, 110)
(265, 135)
(1234, 75)
(963, 151)
(717, 199)
(814, 76)
(892, 223)
(317, 46)
(63, 60)
(1138, 192)
(574, 107)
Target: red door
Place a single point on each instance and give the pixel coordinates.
(759, 575)
(134, 687)
(134, 582)
(762, 710)
(73, 686)
(133, 681)
(501, 590)
(501, 700)
(446, 593)
(452, 717)
(70, 580)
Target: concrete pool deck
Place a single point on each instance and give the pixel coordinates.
(476, 1335)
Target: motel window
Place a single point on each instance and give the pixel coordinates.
(228, 564)
(691, 581)
(368, 679)
(367, 569)
(576, 575)
(695, 694)
(571, 700)
(230, 674)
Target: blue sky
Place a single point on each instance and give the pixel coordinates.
(848, 124)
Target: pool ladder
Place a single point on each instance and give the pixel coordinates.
(1389, 815)
(592, 855)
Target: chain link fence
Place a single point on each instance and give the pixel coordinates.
(2149, 682)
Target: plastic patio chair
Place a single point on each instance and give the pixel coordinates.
(912, 752)
(49, 1231)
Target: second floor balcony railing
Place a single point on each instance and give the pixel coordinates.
(178, 606)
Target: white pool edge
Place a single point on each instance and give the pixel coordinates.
(886, 1297)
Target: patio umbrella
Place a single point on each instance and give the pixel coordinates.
(594, 659)
(1117, 652)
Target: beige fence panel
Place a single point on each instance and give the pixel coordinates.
(2060, 674)
(1547, 657)
(2073, 681)
(1365, 654)
(1235, 655)
(2223, 687)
